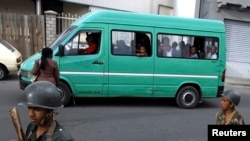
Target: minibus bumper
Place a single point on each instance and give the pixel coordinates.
(23, 84)
(220, 91)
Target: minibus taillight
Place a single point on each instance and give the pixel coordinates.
(223, 76)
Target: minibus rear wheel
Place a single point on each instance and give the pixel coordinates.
(65, 93)
(187, 97)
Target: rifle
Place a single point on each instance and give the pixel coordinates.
(14, 114)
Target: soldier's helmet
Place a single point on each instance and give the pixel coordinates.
(232, 95)
(42, 94)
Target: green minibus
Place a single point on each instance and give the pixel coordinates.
(184, 58)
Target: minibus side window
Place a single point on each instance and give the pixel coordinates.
(83, 43)
(190, 47)
(128, 43)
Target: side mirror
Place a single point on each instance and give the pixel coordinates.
(61, 50)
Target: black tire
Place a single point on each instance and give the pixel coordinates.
(188, 97)
(3, 72)
(65, 93)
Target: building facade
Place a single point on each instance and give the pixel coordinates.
(236, 16)
(80, 7)
(59, 14)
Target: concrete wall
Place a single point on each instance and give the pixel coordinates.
(80, 7)
(233, 10)
(211, 9)
(72, 8)
(17, 6)
(143, 6)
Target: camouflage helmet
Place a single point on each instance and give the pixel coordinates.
(42, 94)
(232, 95)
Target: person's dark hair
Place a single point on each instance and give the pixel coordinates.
(46, 53)
(174, 44)
(165, 40)
(181, 44)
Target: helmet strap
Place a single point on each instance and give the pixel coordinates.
(47, 117)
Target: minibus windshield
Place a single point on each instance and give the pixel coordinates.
(62, 36)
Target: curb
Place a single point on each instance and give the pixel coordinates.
(237, 81)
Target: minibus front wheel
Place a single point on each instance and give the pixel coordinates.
(187, 97)
(65, 93)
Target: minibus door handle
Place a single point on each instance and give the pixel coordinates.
(97, 62)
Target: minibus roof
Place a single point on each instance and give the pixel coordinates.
(152, 20)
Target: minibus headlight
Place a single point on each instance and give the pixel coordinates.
(24, 73)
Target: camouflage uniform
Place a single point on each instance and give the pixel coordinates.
(60, 134)
(237, 119)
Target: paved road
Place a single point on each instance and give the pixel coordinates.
(127, 119)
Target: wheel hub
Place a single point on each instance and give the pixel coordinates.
(188, 98)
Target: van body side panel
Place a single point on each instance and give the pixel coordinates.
(130, 75)
(170, 74)
(109, 73)
(222, 57)
(82, 72)
(86, 77)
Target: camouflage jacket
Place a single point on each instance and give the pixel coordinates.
(236, 119)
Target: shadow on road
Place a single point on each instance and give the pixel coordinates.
(11, 77)
(125, 101)
(209, 103)
(135, 102)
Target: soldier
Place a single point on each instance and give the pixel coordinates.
(42, 99)
(228, 114)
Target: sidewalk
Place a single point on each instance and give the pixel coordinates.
(237, 82)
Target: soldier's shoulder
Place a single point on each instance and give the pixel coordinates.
(62, 134)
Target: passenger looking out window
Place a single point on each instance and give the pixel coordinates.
(167, 47)
(176, 52)
(212, 54)
(193, 52)
(142, 51)
(185, 51)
